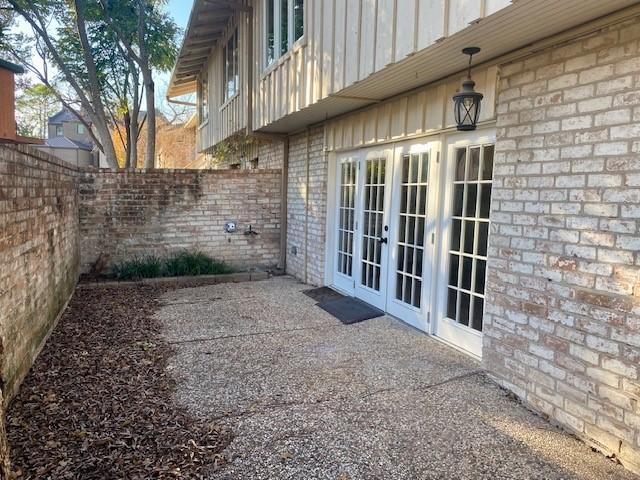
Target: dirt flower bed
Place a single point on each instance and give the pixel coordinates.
(98, 402)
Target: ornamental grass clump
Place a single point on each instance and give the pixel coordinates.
(179, 264)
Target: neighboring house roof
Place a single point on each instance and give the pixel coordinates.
(64, 115)
(206, 25)
(64, 142)
(11, 66)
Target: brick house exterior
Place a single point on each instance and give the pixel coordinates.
(538, 273)
(562, 328)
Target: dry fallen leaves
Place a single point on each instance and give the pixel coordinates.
(98, 402)
(286, 455)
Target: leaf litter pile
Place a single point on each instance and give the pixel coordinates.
(98, 402)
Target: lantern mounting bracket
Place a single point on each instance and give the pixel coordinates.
(471, 50)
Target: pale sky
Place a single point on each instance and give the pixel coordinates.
(179, 10)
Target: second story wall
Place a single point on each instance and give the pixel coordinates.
(224, 115)
(73, 130)
(353, 54)
(345, 42)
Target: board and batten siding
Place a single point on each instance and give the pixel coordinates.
(420, 112)
(225, 118)
(347, 41)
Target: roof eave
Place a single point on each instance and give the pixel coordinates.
(198, 41)
(11, 66)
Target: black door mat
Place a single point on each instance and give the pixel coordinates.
(350, 310)
(323, 294)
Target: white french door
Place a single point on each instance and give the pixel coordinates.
(411, 232)
(360, 255)
(413, 229)
(373, 227)
(466, 205)
(346, 211)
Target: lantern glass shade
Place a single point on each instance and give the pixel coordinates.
(467, 106)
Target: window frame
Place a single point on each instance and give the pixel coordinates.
(450, 331)
(79, 127)
(203, 98)
(292, 42)
(234, 35)
(475, 219)
(59, 130)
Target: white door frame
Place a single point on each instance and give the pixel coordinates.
(460, 336)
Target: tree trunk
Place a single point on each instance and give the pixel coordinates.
(150, 91)
(99, 116)
(102, 125)
(127, 129)
(151, 124)
(133, 136)
(134, 127)
(107, 144)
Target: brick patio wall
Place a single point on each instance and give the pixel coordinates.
(124, 214)
(307, 207)
(563, 313)
(39, 254)
(39, 261)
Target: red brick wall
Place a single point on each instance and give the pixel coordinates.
(53, 215)
(133, 213)
(39, 253)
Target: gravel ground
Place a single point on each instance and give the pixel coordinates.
(310, 398)
(98, 403)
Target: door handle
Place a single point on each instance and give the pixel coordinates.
(383, 239)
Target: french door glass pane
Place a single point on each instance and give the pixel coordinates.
(346, 217)
(373, 200)
(413, 212)
(469, 234)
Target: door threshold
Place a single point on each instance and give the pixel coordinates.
(455, 347)
(340, 290)
(431, 335)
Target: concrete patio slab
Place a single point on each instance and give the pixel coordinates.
(308, 397)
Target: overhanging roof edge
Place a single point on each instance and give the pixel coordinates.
(186, 84)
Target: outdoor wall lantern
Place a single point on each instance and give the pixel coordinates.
(466, 102)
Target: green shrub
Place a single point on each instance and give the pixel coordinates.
(193, 263)
(177, 265)
(139, 267)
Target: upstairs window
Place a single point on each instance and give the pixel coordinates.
(284, 26)
(231, 81)
(203, 98)
(80, 129)
(59, 131)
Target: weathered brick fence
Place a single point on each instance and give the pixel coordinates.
(128, 213)
(58, 221)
